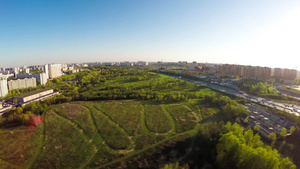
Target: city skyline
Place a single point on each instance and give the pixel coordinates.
(245, 33)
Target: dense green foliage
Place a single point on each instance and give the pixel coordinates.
(231, 107)
(243, 149)
(259, 88)
(126, 83)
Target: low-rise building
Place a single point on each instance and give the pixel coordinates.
(34, 95)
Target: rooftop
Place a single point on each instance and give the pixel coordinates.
(32, 93)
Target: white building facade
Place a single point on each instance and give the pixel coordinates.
(3, 87)
(54, 70)
(21, 83)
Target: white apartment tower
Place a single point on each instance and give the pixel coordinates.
(3, 87)
(54, 70)
(46, 70)
(27, 70)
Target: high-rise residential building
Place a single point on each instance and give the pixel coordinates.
(3, 87)
(278, 73)
(46, 70)
(21, 83)
(142, 63)
(42, 77)
(54, 70)
(263, 73)
(16, 70)
(27, 70)
(217, 68)
(289, 74)
(235, 70)
(249, 72)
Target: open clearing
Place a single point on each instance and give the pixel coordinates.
(95, 134)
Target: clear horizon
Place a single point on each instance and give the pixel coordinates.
(258, 33)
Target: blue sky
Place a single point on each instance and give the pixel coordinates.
(240, 32)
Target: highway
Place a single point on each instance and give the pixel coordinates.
(292, 109)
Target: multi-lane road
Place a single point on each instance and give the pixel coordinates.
(293, 109)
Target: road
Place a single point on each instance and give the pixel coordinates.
(292, 109)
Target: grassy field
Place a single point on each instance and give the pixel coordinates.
(186, 119)
(96, 134)
(157, 120)
(127, 114)
(14, 144)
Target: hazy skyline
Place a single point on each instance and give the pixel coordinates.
(263, 33)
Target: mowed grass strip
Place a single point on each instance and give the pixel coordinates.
(156, 119)
(125, 113)
(64, 146)
(111, 133)
(78, 114)
(185, 119)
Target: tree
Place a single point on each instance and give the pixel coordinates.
(19, 110)
(283, 132)
(175, 166)
(256, 128)
(292, 129)
(272, 137)
(15, 100)
(246, 119)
